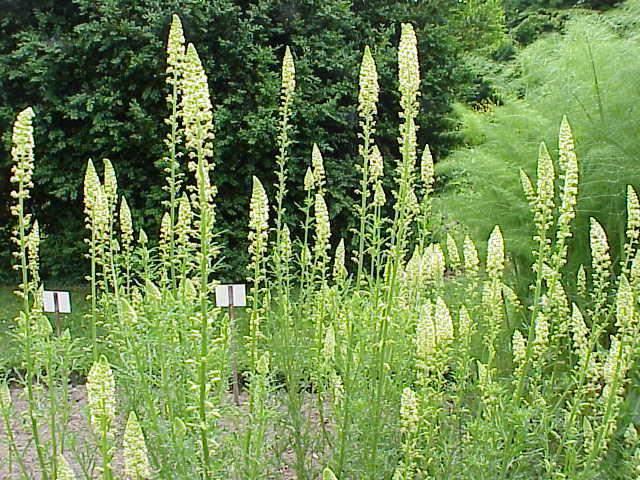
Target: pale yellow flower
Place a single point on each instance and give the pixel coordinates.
(339, 270)
(529, 191)
(175, 50)
(22, 153)
(101, 392)
(288, 75)
(309, 180)
(519, 349)
(258, 221)
(580, 334)
(91, 187)
(495, 254)
(318, 167)
(329, 344)
(443, 324)
(327, 474)
(110, 184)
(427, 172)
(65, 472)
(197, 111)
(425, 333)
(633, 215)
(379, 197)
(569, 165)
(369, 89)
(323, 228)
(471, 259)
(545, 189)
(409, 70)
(126, 226)
(5, 396)
(409, 417)
(376, 164)
(452, 253)
(136, 458)
(601, 260)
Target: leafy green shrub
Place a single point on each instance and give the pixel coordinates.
(91, 71)
(587, 73)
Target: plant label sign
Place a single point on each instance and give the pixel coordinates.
(56, 302)
(231, 295)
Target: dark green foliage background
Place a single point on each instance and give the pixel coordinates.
(94, 73)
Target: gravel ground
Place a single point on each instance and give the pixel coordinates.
(80, 450)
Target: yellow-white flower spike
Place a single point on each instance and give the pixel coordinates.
(165, 237)
(579, 333)
(634, 272)
(65, 472)
(110, 184)
(408, 69)
(136, 458)
(258, 221)
(631, 436)
(318, 167)
(33, 253)
(541, 340)
(413, 207)
(409, 418)
(471, 259)
(309, 180)
(339, 270)
(427, 172)
(495, 254)
(323, 228)
(527, 187)
(433, 263)
(288, 75)
(22, 146)
(91, 187)
(327, 474)
(329, 345)
(379, 197)
(197, 111)
(126, 226)
(626, 318)
(369, 88)
(566, 146)
(425, 333)
(175, 50)
(465, 324)
(616, 365)
(101, 392)
(633, 215)
(600, 258)
(5, 396)
(519, 349)
(376, 165)
(569, 197)
(287, 247)
(142, 237)
(443, 323)
(452, 253)
(581, 281)
(263, 364)
(545, 189)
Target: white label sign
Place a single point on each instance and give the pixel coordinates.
(56, 302)
(231, 295)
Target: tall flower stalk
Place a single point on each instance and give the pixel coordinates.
(367, 109)
(196, 112)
